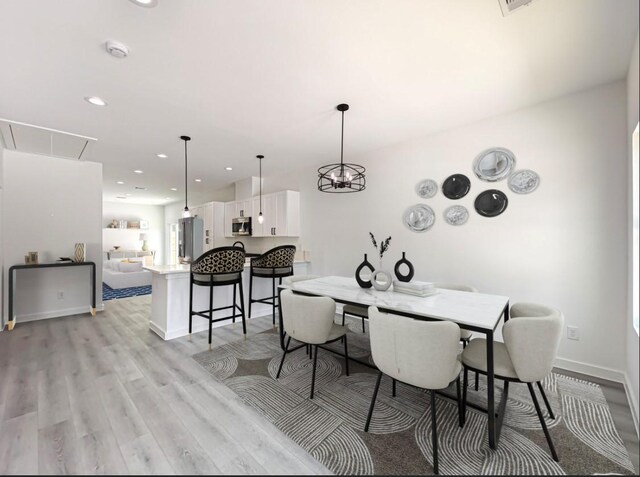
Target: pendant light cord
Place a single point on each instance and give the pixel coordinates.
(185, 175)
(260, 185)
(342, 148)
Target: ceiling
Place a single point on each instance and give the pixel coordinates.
(247, 77)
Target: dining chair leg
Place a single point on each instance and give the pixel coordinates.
(244, 323)
(286, 347)
(373, 402)
(544, 424)
(476, 385)
(434, 432)
(465, 383)
(343, 317)
(458, 395)
(546, 401)
(346, 355)
(393, 388)
(313, 374)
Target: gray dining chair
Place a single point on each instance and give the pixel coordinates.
(531, 340)
(419, 353)
(309, 320)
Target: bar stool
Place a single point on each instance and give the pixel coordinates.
(222, 266)
(275, 263)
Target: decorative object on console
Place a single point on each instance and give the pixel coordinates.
(185, 211)
(456, 186)
(419, 218)
(342, 177)
(380, 279)
(427, 188)
(145, 245)
(144, 224)
(260, 216)
(456, 215)
(524, 181)
(80, 254)
(494, 164)
(491, 203)
(399, 275)
(133, 224)
(364, 283)
(31, 258)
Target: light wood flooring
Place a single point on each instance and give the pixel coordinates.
(105, 395)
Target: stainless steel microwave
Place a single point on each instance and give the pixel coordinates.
(241, 226)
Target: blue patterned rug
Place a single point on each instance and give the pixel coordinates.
(109, 293)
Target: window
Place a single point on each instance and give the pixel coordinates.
(635, 171)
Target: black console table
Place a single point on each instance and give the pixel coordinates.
(11, 322)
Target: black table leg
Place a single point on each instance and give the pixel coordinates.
(93, 288)
(491, 414)
(11, 323)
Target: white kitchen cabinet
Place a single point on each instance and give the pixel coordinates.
(281, 212)
(258, 228)
(212, 215)
(229, 214)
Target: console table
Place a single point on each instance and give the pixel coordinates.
(12, 280)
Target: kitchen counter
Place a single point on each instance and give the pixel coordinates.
(170, 299)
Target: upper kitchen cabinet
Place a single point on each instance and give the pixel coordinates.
(281, 212)
(212, 215)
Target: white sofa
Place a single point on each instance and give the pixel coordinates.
(119, 274)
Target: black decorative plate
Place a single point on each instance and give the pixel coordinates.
(456, 186)
(491, 203)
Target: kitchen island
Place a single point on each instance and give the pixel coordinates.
(170, 299)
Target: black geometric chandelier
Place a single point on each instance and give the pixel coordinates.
(342, 177)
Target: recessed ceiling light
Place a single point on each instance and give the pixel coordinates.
(95, 100)
(120, 197)
(119, 182)
(198, 180)
(145, 3)
(128, 195)
(173, 188)
(228, 168)
(138, 171)
(162, 156)
(167, 198)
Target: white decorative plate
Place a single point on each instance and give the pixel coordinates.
(456, 215)
(419, 218)
(427, 188)
(524, 181)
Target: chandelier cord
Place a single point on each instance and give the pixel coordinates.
(186, 207)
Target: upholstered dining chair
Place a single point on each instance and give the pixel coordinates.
(222, 266)
(531, 340)
(420, 353)
(309, 320)
(274, 264)
(465, 335)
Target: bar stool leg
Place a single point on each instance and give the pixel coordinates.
(190, 304)
(210, 313)
(244, 323)
(273, 299)
(233, 319)
(250, 291)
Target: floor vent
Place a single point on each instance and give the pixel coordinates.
(509, 6)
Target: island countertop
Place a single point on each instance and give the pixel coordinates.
(172, 269)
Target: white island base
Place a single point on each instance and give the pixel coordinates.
(170, 300)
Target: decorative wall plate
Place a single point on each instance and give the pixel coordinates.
(491, 203)
(524, 181)
(494, 164)
(456, 186)
(456, 215)
(427, 188)
(419, 218)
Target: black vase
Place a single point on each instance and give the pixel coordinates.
(396, 269)
(363, 265)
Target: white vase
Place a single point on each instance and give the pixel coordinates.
(381, 279)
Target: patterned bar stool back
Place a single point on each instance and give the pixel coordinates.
(218, 265)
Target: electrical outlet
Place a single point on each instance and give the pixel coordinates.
(573, 333)
(60, 295)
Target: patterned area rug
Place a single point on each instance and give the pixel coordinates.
(109, 293)
(330, 427)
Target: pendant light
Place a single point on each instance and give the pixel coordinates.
(185, 212)
(260, 216)
(342, 177)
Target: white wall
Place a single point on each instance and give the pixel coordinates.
(2, 314)
(49, 205)
(129, 239)
(633, 85)
(563, 245)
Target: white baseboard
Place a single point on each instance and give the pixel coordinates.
(45, 315)
(633, 400)
(591, 370)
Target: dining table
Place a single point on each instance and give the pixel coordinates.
(477, 312)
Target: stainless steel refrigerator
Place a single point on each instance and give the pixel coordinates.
(190, 234)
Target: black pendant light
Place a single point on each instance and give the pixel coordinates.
(185, 212)
(260, 216)
(342, 177)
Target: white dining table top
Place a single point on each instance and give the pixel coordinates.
(465, 308)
